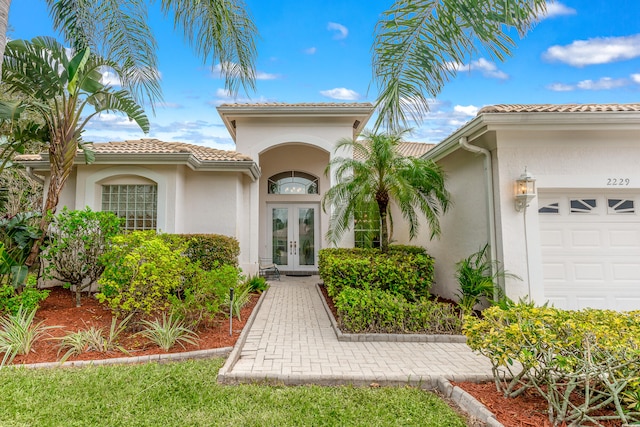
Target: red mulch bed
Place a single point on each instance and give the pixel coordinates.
(528, 409)
(59, 310)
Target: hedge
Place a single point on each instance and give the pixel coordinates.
(404, 270)
(209, 249)
(377, 311)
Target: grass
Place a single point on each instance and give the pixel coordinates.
(186, 394)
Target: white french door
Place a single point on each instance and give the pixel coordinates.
(293, 231)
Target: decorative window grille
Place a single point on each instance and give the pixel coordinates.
(292, 182)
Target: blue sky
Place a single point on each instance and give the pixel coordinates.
(584, 51)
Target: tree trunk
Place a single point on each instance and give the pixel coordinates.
(383, 204)
(4, 23)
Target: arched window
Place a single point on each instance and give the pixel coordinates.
(292, 182)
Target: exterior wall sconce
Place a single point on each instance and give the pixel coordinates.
(525, 190)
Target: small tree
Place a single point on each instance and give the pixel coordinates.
(382, 178)
(78, 239)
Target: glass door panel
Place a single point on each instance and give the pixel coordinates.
(294, 231)
(280, 235)
(306, 237)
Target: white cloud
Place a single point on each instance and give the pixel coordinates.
(261, 75)
(558, 9)
(561, 87)
(601, 50)
(341, 93)
(223, 96)
(604, 83)
(110, 78)
(310, 51)
(469, 110)
(341, 32)
(112, 121)
(487, 68)
(216, 73)
(172, 105)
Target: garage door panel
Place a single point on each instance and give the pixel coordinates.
(626, 271)
(591, 259)
(586, 239)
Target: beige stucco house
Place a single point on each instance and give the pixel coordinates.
(576, 244)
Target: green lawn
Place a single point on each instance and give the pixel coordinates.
(186, 394)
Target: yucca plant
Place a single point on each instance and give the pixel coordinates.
(93, 339)
(18, 333)
(167, 332)
(478, 277)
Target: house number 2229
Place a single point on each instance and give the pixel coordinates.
(618, 181)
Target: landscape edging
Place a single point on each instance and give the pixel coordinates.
(467, 402)
(237, 348)
(346, 337)
(166, 357)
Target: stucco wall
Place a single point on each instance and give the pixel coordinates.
(561, 159)
(464, 226)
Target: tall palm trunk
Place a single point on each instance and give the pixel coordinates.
(62, 153)
(382, 198)
(4, 23)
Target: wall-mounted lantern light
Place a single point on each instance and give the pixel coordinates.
(525, 190)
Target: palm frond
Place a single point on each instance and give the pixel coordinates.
(117, 30)
(220, 30)
(420, 45)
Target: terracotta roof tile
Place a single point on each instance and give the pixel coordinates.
(558, 108)
(410, 149)
(154, 146)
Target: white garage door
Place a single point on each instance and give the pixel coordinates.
(591, 249)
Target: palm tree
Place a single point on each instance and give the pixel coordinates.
(421, 44)
(58, 86)
(218, 30)
(382, 178)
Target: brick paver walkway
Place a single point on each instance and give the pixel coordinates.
(291, 341)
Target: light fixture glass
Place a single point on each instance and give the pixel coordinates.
(525, 190)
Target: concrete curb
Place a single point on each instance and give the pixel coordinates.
(223, 373)
(467, 403)
(160, 358)
(386, 337)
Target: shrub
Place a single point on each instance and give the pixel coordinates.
(405, 270)
(141, 273)
(203, 292)
(18, 333)
(210, 250)
(257, 283)
(374, 310)
(168, 332)
(77, 241)
(593, 352)
(478, 277)
(29, 299)
(93, 339)
(17, 235)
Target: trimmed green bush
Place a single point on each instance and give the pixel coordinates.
(141, 273)
(405, 270)
(377, 311)
(210, 250)
(203, 292)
